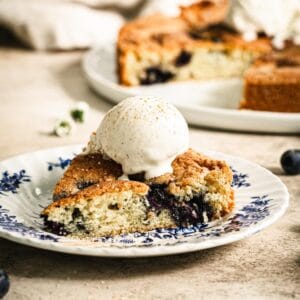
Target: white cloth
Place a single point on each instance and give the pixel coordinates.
(52, 24)
(122, 4)
(167, 7)
(279, 19)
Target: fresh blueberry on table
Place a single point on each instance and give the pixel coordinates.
(4, 283)
(290, 161)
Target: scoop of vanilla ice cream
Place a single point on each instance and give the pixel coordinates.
(143, 134)
(279, 19)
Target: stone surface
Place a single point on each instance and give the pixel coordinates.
(35, 88)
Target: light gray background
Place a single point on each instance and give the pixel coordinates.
(34, 88)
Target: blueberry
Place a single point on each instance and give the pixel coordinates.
(215, 33)
(60, 196)
(185, 213)
(156, 75)
(286, 62)
(4, 283)
(84, 184)
(290, 161)
(183, 58)
(54, 227)
(137, 176)
(76, 213)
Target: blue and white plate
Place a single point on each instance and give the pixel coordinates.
(26, 184)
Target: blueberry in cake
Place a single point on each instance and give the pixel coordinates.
(128, 181)
(195, 45)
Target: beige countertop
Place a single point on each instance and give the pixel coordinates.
(34, 89)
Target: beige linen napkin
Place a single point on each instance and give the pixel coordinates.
(167, 7)
(52, 24)
(73, 24)
(119, 4)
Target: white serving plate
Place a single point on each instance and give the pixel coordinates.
(211, 103)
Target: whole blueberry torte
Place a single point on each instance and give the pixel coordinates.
(196, 45)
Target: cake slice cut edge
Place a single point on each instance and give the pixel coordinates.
(108, 208)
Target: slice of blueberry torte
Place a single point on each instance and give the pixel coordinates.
(138, 173)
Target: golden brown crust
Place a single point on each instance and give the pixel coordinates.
(106, 187)
(205, 12)
(159, 33)
(273, 82)
(149, 29)
(85, 170)
(187, 169)
(92, 168)
(188, 166)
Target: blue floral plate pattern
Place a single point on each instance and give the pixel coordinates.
(27, 181)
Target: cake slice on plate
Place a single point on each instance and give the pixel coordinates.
(198, 190)
(138, 174)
